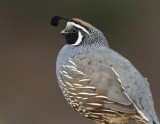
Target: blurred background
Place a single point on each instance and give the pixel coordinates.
(29, 93)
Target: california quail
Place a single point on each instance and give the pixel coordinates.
(98, 82)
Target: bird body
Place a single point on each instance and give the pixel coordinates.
(98, 82)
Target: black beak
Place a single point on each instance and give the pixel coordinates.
(64, 32)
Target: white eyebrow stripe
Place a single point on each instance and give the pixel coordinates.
(80, 36)
(78, 26)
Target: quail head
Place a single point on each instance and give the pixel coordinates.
(98, 82)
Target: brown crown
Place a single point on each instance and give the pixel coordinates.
(83, 23)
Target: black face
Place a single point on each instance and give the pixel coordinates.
(71, 38)
(71, 35)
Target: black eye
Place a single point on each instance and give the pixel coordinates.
(74, 30)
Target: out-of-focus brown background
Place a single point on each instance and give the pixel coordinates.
(29, 93)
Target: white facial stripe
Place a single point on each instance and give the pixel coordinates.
(80, 36)
(78, 26)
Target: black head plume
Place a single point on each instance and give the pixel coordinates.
(55, 20)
